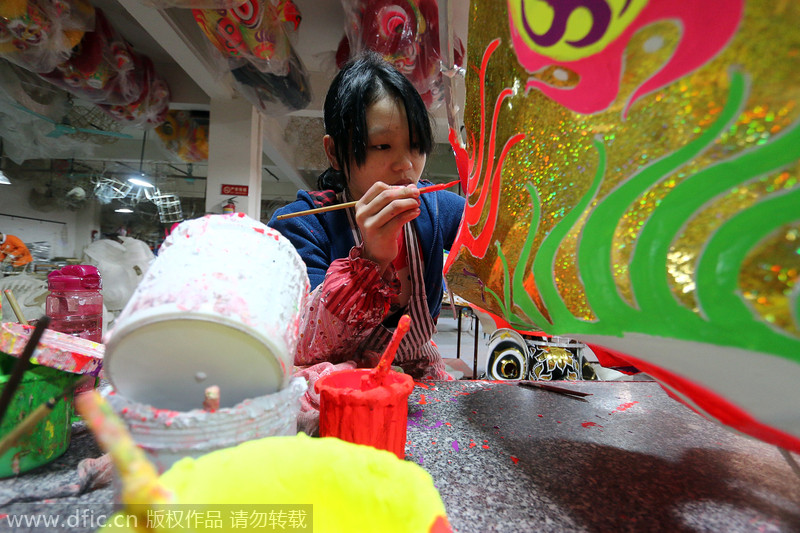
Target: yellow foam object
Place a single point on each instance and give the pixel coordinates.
(351, 487)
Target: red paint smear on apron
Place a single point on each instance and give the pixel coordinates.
(591, 424)
(515, 459)
(422, 400)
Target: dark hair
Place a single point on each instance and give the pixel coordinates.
(363, 81)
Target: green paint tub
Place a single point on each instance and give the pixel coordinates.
(50, 437)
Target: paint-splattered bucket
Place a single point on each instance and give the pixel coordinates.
(376, 417)
(219, 306)
(50, 438)
(167, 436)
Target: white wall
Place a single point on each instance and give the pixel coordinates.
(68, 232)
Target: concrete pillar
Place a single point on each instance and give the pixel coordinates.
(234, 156)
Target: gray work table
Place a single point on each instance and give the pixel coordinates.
(507, 458)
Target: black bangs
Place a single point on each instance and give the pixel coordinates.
(362, 82)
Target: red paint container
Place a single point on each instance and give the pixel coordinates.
(376, 416)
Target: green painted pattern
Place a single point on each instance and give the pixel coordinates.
(718, 272)
(722, 306)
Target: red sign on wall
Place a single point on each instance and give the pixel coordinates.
(235, 190)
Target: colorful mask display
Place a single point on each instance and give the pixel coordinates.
(193, 4)
(406, 33)
(632, 177)
(185, 133)
(101, 67)
(72, 45)
(255, 31)
(150, 107)
(37, 35)
(254, 40)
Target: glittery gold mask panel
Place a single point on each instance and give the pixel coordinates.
(632, 167)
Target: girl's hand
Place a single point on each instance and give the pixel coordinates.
(381, 214)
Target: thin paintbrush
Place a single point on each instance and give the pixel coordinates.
(12, 300)
(378, 374)
(432, 188)
(576, 395)
(21, 366)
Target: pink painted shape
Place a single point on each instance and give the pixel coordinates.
(707, 27)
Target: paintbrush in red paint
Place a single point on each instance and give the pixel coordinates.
(140, 489)
(376, 377)
(423, 190)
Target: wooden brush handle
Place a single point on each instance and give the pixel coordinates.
(432, 188)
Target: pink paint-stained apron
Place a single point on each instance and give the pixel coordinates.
(417, 355)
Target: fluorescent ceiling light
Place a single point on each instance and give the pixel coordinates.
(123, 210)
(141, 182)
(4, 179)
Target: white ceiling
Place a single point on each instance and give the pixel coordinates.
(182, 56)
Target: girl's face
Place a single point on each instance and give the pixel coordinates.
(390, 157)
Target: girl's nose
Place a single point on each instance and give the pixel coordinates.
(403, 160)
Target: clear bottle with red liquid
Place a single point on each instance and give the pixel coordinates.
(75, 303)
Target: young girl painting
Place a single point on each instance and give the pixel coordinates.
(372, 263)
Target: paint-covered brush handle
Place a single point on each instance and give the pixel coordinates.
(12, 301)
(377, 375)
(139, 477)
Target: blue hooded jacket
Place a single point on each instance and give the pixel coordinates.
(322, 238)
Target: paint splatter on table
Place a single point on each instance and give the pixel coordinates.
(506, 458)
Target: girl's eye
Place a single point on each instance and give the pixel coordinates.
(381, 147)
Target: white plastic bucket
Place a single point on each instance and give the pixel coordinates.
(167, 436)
(220, 305)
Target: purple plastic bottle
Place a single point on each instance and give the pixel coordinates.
(75, 303)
